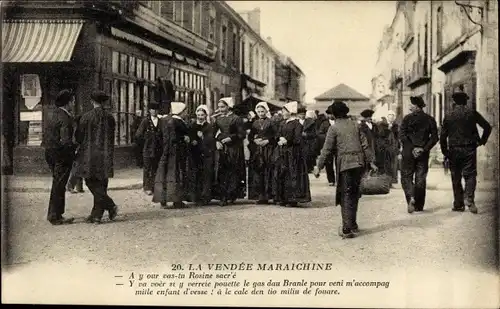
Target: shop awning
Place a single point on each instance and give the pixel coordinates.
(39, 40)
(135, 39)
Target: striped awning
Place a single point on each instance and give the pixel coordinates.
(135, 39)
(39, 40)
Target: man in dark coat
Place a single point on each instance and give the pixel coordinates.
(96, 132)
(149, 132)
(367, 127)
(138, 143)
(330, 159)
(459, 140)
(351, 148)
(418, 135)
(59, 153)
(393, 126)
(308, 138)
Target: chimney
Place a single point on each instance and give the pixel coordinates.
(254, 19)
(269, 40)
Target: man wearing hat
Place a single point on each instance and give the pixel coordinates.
(393, 126)
(149, 133)
(308, 137)
(330, 159)
(59, 153)
(368, 128)
(96, 136)
(459, 140)
(137, 118)
(418, 134)
(349, 144)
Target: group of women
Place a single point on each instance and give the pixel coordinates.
(204, 159)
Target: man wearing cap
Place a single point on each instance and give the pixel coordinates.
(329, 160)
(59, 153)
(138, 144)
(459, 141)
(96, 136)
(150, 134)
(367, 127)
(418, 135)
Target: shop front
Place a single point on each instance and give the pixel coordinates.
(40, 57)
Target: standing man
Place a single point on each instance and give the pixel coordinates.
(459, 140)
(59, 153)
(308, 138)
(418, 135)
(367, 127)
(330, 159)
(95, 134)
(138, 143)
(149, 132)
(393, 126)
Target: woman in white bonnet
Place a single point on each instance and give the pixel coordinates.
(229, 144)
(202, 151)
(171, 181)
(262, 138)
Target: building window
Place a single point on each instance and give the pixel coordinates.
(439, 29)
(131, 65)
(242, 56)
(257, 58)
(235, 46)
(197, 5)
(116, 62)
(167, 9)
(139, 68)
(123, 64)
(223, 40)
(178, 17)
(211, 23)
(146, 70)
(187, 12)
(264, 69)
(426, 49)
(268, 69)
(152, 71)
(250, 59)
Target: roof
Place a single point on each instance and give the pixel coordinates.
(341, 92)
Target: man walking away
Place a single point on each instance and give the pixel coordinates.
(418, 135)
(59, 153)
(350, 146)
(459, 141)
(95, 135)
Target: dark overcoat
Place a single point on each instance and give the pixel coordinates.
(96, 138)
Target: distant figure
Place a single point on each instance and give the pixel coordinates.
(418, 135)
(459, 141)
(384, 148)
(330, 159)
(308, 137)
(59, 153)
(137, 143)
(393, 126)
(149, 133)
(75, 184)
(96, 136)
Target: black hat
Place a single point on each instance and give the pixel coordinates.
(367, 113)
(99, 96)
(64, 97)
(339, 109)
(418, 101)
(460, 98)
(301, 110)
(329, 110)
(154, 105)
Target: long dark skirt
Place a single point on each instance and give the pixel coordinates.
(261, 174)
(291, 180)
(384, 161)
(201, 178)
(171, 182)
(231, 173)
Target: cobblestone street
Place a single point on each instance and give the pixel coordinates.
(148, 237)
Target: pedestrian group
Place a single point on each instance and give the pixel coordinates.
(223, 156)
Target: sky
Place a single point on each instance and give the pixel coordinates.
(332, 42)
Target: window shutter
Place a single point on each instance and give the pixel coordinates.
(167, 9)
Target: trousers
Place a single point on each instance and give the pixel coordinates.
(60, 163)
(463, 165)
(102, 201)
(349, 189)
(149, 172)
(414, 178)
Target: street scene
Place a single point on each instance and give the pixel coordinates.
(139, 136)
